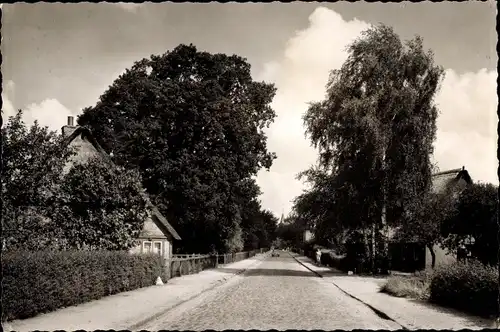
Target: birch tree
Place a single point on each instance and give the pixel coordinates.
(375, 128)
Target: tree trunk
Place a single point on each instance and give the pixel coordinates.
(433, 255)
(373, 249)
(383, 217)
(367, 244)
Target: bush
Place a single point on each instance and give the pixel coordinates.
(43, 281)
(416, 286)
(470, 287)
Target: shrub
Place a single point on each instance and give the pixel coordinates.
(43, 281)
(416, 286)
(471, 287)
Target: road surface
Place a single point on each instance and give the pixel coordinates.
(279, 293)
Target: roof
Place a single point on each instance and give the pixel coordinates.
(87, 133)
(447, 180)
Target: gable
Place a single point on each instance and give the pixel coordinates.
(151, 230)
(450, 182)
(87, 147)
(84, 150)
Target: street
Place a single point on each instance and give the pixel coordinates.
(278, 293)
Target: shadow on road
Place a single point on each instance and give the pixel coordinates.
(270, 272)
(475, 320)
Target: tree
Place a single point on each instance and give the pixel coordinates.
(426, 224)
(477, 216)
(259, 226)
(100, 207)
(33, 159)
(376, 127)
(192, 123)
(290, 232)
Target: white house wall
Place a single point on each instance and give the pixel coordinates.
(442, 257)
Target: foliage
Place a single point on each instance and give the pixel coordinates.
(415, 287)
(193, 124)
(476, 215)
(471, 287)
(374, 132)
(291, 232)
(33, 160)
(100, 206)
(43, 281)
(426, 224)
(258, 225)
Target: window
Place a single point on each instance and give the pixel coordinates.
(157, 247)
(146, 247)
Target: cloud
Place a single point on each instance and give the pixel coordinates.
(50, 112)
(466, 126)
(130, 7)
(300, 76)
(7, 106)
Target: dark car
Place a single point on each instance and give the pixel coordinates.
(275, 254)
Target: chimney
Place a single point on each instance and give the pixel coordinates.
(68, 129)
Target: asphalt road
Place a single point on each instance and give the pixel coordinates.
(277, 294)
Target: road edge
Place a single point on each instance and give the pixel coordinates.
(378, 312)
(222, 281)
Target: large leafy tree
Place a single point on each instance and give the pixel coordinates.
(100, 206)
(33, 160)
(375, 128)
(193, 124)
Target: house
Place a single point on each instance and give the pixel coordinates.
(451, 182)
(409, 257)
(307, 236)
(157, 235)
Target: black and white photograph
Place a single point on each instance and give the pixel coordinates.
(249, 166)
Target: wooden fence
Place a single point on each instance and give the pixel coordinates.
(184, 264)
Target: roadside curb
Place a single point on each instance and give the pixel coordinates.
(377, 311)
(136, 326)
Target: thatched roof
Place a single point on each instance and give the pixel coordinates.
(86, 133)
(455, 179)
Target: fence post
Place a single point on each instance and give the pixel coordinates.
(167, 269)
(216, 260)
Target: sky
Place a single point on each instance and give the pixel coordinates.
(59, 58)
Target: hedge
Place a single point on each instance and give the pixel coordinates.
(43, 281)
(471, 287)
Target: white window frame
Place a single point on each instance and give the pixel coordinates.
(144, 246)
(161, 247)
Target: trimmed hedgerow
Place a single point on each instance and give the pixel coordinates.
(43, 281)
(471, 287)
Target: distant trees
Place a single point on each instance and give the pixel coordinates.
(374, 131)
(192, 124)
(290, 232)
(259, 226)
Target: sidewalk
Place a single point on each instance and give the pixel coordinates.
(126, 310)
(410, 314)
